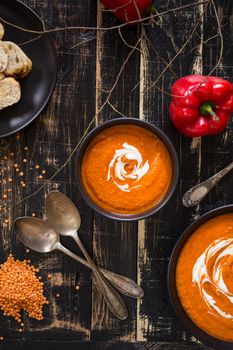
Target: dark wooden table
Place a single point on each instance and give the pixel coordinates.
(102, 75)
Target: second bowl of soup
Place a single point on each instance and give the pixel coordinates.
(200, 278)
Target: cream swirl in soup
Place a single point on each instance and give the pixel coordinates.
(208, 271)
(121, 169)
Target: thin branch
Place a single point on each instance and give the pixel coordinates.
(83, 42)
(29, 41)
(179, 51)
(125, 42)
(87, 129)
(198, 3)
(216, 65)
(116, 110)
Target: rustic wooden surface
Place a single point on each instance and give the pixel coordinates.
(79, 318)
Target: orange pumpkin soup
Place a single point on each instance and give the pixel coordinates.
(126, 169)
(204, 277)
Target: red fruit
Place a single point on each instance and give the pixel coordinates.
(201, 105)
(129, 10)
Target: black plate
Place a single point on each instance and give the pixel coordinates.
(196, 331)
(37, 87)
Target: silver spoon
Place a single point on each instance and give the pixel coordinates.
(45, 244)
(42, 237)
(195, 195)
(63, 215)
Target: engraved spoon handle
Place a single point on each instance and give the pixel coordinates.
(195, 195)
(114, 301)
(123, 284)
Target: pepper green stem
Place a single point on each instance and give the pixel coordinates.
(207, 108)
(151, 9)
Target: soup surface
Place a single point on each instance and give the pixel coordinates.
(204, 277)
(126, 169)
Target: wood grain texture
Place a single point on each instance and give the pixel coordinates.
(79, 319)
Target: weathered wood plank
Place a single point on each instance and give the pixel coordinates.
(114, 243)
(50, 140)
(54, 137)
(74, 345)
(158, 234)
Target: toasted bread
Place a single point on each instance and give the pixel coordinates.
(18, 64)
(10, 92)
(2, 31)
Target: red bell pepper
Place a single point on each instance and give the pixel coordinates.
(129, 10)
(201, 105)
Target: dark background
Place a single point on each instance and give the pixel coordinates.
(79, 319)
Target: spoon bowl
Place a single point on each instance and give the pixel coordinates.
(36, 234)
(62, 213)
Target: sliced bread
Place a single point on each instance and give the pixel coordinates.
(3, 60)
(10, 92)
(2, 31)
(18, 63)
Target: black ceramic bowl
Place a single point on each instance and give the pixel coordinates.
(188, 323)
(156, 131)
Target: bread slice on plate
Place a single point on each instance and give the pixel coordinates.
(18, 62)
(3, 59)
(2, 31)
(10, 92)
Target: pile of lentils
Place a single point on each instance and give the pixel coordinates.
(21, 289)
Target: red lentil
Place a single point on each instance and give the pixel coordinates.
(20, 289)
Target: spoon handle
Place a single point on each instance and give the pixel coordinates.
(124, 284)
(114, 301)
(195, 195)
